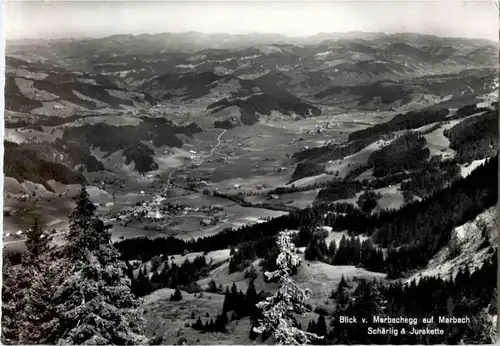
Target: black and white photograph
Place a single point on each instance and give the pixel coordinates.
(250, 172)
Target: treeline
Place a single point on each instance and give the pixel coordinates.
(239, 198)
(223, 124)
(307, 169)
(42, 120)
(431, 179)
(469, 110)
(350, 251)
(242, 304)
(467, 295)
(211, 326)
(414, 233)
(247, 252)
(332, 151)
(130, 139)
(338, 189)
(77, 154)
(236, 304)
(15, 99)
(368, 201)
(475, 138)
(406, 121)
(23, 163)
(292, 188)
(65, 86)
(74, 294)
(406, 152)
(171, 275)
(392, 179)
(372, 183)
(279, 100)
(422, 228)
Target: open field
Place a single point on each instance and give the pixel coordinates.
(301, 199)
(167, 318)
(352, 162)
(438, 144)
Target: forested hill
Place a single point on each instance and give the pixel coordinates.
(418, 230)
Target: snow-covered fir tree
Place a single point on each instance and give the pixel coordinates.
(93, 300)
(26, 291)
(279, 311)
(37, 240)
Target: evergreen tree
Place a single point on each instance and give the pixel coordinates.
(81, 221)
(198, 325)
(155, 278)
(342, 255)
(332, 250)
(279, 310)
(177, 296)
(234, 289)
(142, 286)
(130, 270)
(155, 263)
(37, 240)
(27, 291)
(316, 249)
(311, 327)
(481, 330)
(341, 295)
(224, 318)
(212, 286)
(227, 305)
(251, 299)
(239, 307)
(94, 303)
(321, 326)
(368, 201)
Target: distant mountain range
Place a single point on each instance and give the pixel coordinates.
(334, 68)
(235, 80)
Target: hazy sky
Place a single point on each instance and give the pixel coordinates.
(55, 19)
